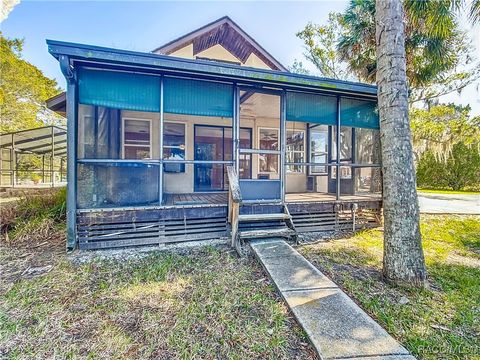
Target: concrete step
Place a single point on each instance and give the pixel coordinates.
(266, 233)
(263, 217)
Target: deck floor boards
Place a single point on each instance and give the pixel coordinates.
(221, 198)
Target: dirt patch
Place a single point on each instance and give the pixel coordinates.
(29, 259)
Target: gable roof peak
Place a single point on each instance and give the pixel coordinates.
(223, 31)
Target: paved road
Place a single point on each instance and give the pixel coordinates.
(449, 203)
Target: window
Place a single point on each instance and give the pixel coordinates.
(174, 145)
(318, 149)
(295, 150)
(137, 139)
(268, 140)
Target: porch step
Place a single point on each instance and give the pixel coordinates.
(262, 202)
(268, 233)
(263, 217)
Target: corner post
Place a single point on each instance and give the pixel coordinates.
(236, 128)
(69, 74)
(160, 143)
(283, 140)
(338, 147)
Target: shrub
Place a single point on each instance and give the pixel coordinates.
(40, 216)
(459, 172)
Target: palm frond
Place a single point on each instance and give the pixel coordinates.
(474, 13)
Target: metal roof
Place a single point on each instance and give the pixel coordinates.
(37, 141)
(148, 62)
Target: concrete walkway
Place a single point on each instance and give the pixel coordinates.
(336, 326)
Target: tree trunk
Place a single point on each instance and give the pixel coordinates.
(403, 261)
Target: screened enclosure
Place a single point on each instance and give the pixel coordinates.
(357, 143)
(152, 140)
(33, 158)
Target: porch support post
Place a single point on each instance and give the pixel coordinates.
(236, 128)
(1, 162)
(13, 161)
(283, 139)
(338, 147)
(52, 171)
(43, 168)
(160, 142)
(69, 74)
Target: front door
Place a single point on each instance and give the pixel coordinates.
(347, 144)
(261, 111)
(214, 143)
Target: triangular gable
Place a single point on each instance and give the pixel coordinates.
(229, 35)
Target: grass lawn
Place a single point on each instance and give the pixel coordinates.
(453, 192)
(203, 304)
(207, 304)
(442, 322)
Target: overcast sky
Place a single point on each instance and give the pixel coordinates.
(143, 26)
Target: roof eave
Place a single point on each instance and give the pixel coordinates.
(88, 53)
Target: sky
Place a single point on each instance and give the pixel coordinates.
(144, 26)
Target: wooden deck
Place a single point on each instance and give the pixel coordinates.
(221, 198)
(321, 197)
(210, 198)
(201, 216)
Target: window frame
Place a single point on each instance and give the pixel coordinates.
(302, 171)
(150, 142)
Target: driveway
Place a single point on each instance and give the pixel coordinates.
(449, 203)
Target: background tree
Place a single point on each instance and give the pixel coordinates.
(438, 54)
(23, 90)
(298, 68)
(461, 171)
(403, 260)
(446, 140)
(440, 127)
(321, 48)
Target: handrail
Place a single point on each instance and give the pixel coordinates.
(234, 185)
(234, 201)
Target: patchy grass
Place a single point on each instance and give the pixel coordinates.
(446, 191)
(442, 322)
(205, 304)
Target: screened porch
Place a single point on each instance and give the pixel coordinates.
(151, 140)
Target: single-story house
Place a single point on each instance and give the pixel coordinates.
(151, 135)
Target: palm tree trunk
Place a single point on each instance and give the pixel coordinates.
(403, 261)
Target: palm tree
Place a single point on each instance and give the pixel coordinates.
(432, 39)
(403, 261)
